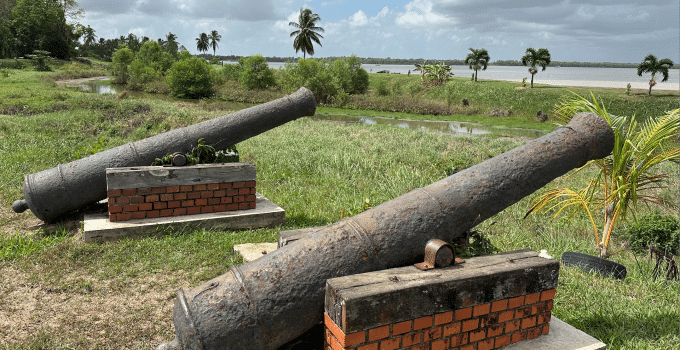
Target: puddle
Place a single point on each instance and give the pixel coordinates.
(447, 127)
(96, 87)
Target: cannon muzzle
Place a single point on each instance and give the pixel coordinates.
(270, 301)
(71, 186)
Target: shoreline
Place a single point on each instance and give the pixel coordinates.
(666, 86)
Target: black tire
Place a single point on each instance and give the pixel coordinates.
(594, 263)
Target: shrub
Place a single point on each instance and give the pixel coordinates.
(313, 75)
(662, 231)
(190, 77)
(122, 59)
(231, 72)
(255, 73)
(150, 63)
(39, 60)
(349, 75)
(381, 87)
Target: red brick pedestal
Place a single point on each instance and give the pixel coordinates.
(485, 303)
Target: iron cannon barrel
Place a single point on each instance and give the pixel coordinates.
(270, 301)
(70, 186)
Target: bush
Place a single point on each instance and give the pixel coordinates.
(381, 87)
(39, 60)
(150, 63)
(662, 231)
(231, 72)
(349, 75)
(190, 77)
(313, 75)
(122, 59)
(255, 73)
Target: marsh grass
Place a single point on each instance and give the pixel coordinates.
(56, 291)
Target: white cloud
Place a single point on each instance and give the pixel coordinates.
(358, 19)
(419, 13)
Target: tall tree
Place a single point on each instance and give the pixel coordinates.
(214, 38)
(202, 42)
(171, 44)
(306, 32)
(477, 59)
(41, 25)
(534, 58)
(651, 65)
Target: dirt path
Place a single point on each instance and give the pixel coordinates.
(69, 82)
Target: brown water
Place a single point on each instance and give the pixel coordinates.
(447, 127)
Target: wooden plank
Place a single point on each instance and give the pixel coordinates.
(159, 176)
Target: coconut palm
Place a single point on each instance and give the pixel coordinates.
(202, 42)
(477, 59)
(306, 32)
(214, 38)
(626, 178)
(533, 58)
(171, 43)
(651, 65)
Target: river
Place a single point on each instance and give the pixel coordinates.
(564, 76)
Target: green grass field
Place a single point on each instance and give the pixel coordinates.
(58, 292)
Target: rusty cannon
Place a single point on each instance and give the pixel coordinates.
(272, 300)
(70, 186)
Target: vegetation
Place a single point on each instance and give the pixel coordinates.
(255, 73)
(534, 58)
(434, 74)
(662, 231)
(202, 42)
(477, 59)
(191, 77)
(651, 65)
(214, 39)
(122, 59)
(307, 31)
(122, 292)
(627, 178)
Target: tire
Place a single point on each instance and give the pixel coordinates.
(587, 262)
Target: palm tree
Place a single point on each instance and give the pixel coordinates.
(306, 32)
(477, 59)
(89, 36)
(627, 177)
(214, 38)
(651, 65)
(534, 58)
(171, 43)
(202, 43)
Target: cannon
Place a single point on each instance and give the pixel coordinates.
(70, 186)
(272, 300)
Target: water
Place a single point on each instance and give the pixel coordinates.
(447, 127)
(95, 87)
(565, 76)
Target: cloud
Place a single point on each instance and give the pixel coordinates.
(358, 19)
(420, 13)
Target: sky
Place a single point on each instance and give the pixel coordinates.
(572, 30)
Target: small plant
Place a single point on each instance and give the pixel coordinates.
(628, 89)
(472, 78)
(474, 243)
(654, 229)
(39, 59)
(203, 154)
(5, 73)
(524, 82)
(627, 177)
(434, 74)
(96, 148)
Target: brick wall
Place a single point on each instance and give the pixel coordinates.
(481, 327)
(484, 303)
(153, 202)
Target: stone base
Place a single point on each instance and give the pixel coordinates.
(562, 336)
(267, 214)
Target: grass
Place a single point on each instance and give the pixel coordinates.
(60, 292)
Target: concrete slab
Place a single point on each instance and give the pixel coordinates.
(253, 251)
(562, 336)
(267, 214)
